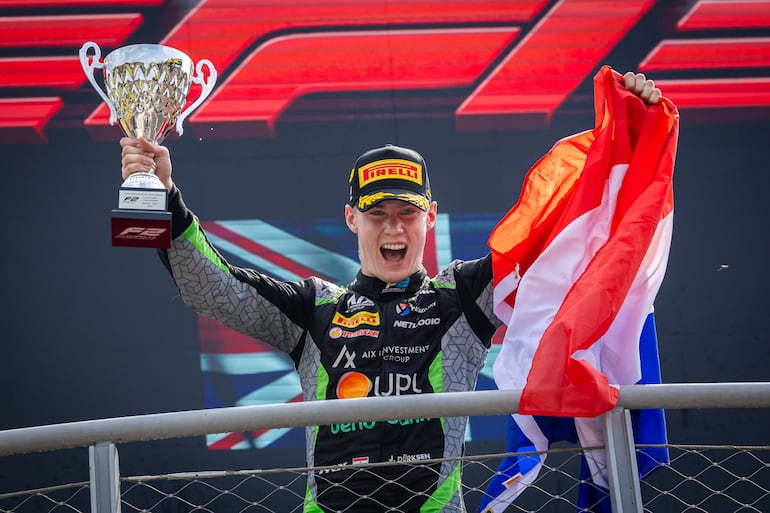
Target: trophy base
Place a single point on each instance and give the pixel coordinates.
(142, 191)
(141, 229)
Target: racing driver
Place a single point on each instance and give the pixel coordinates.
(393, 331)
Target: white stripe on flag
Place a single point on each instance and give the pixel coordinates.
(546, 283)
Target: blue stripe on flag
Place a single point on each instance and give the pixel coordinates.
(649, 428)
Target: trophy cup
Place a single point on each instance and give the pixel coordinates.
(147, 87)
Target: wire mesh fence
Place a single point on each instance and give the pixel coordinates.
(699, 478)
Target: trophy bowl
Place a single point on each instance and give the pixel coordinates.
(147, 86)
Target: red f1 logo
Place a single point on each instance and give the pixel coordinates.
(514, 62)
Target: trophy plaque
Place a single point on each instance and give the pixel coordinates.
(146, 91)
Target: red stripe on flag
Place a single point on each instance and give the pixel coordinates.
(597, 295)
(230, 440)
(260, 250)
(227, 442)
(216, 338)
(296, 399)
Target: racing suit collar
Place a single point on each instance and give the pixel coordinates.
(375, 288)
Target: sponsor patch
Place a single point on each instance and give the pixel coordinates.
(404, 309)
(353, 384)
(370, 318)
(432, 321)
(390, 169)
(336, 332)
(356, 303)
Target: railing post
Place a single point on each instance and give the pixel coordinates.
(105, 478)
(622, 471)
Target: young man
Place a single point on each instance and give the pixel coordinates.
(392, 331)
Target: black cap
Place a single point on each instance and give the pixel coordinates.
(390, 172)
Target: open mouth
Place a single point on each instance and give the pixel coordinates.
(393, 252)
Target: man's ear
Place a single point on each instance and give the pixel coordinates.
(350, 219)
(432, 213)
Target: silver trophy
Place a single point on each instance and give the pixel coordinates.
(147, 87)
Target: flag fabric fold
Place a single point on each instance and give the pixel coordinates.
(577, 264)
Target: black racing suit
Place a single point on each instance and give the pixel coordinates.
(366, 339)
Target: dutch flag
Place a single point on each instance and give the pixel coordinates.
(577, 264)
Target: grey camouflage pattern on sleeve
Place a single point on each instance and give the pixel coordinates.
(216, 294)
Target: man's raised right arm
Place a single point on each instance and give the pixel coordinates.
(245, 300)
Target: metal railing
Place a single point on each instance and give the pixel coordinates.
(698, 478)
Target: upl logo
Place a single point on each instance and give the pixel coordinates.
(356, 384)
(489, 65)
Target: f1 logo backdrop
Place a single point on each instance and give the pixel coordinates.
(498, 65)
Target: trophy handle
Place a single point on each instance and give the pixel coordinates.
(89, 70)
(206, 87)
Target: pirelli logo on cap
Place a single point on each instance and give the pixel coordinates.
(370, 318)
(389, 169)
